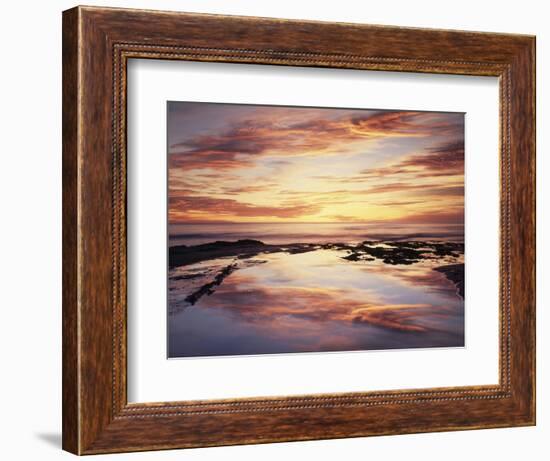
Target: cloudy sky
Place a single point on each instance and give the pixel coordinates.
(249, 163)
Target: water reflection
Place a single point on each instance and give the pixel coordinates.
(312, 302)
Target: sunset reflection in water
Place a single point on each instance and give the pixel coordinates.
(314, 302)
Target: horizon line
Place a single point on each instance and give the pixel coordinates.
(314, 222)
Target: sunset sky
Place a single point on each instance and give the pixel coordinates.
(247, 163)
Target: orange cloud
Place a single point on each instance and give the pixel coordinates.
(452, 217)
(195, 207)
(239, 162)
(442, 160)
(248, 139)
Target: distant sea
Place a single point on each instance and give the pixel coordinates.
(285, 233)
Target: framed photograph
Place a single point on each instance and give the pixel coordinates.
(280, 230)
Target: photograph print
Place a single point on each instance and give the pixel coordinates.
(310, 229)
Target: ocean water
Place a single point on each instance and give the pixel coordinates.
(314, 301)
(284, 233)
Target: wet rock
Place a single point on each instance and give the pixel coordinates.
(455, 273)
(210, 287)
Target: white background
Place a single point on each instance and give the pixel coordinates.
(153, 378)
(30, 244)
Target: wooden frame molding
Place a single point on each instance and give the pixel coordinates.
(97, 44)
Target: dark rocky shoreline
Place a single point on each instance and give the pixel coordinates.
(397, 253)
(390, 252)
(182, 255)
(455, 273)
